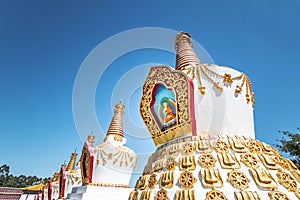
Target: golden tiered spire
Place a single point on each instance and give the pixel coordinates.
(71, 164)
(185, 54)
(116, 125)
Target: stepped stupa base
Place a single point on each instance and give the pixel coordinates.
(98, 192)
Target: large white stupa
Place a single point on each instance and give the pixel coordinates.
(200, 117)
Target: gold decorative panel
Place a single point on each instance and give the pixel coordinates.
(203, 146)
(152, 181)
(142, 182)
(268, 161)
(171, 163)
(211, 178)
(238, 179)
(173, 150)
(215, 195)
(237, 145)
(133, 195)
(161, 195)
(288, 181)
(246, 195)
(263, 179)
(188, 148)
(228, 161)
(158, 165)
(207, 160)
(187, 180)
(146, 195)
(178, 82)
(277, 195)
(254, 147)
(296, 175)
(250, 160)
(185, 195)
(222, 146)
(167, 179)
(187, 163)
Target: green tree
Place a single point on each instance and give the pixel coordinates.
(9, 180)
(290, 144)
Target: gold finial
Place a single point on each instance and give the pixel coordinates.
(116, 125)
(183, 37)
(91, 138)
(119, 106)
(71, 164)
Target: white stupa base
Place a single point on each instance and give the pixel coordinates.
(97, 192)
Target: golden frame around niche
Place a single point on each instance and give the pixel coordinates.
(180, 84)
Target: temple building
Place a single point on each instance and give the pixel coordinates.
(200, 117)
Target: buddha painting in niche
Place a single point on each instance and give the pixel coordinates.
(164, 107)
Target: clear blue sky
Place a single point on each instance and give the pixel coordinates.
(43, 43)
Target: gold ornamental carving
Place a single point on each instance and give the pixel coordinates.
(152, 181)
(185, 195)
(268, 161)
(263, 179)
(277, 195)
(179, 83)
(167, 179)
(203, 146)
(254, 147)
(238, 179)
(288, 181)
(173, 150)
(187, 180)
(298, 193)
(246, 195)
(133, 195)
(267, 149)
(222, 146)
(296, 175)
(250, 160)
(207, 161)
(161, 195)
(146, 195)
(171, 163)
(188, 148)
(158, 165)
(142, 182)
(187, 163)
(215, 195)
(237, 145)
(211, 178)
(228, 161)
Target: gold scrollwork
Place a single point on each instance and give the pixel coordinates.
(263, 179)
(237, 145)
(152, 181)
(167, 179)
(288, 181)
(222, 146)
(188, 148)
(277, 195)
(142, 182)
(268, 161)
(146, 195)
(187, 163)
(203, 146)
(254, 147)
(238, 179)
(179, 82)
(267, 149)
(171, 163)
(215, 195)
(187, 180)
(207, 160)
(246, 195)
(249, 160)
(161, 195)
(133, 195)
(185, 195)
(296, 175)
(228, 161)
(211, 178)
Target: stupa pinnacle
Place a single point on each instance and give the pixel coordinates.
(116, 125)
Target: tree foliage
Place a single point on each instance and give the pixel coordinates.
(9, 180)
(290, 144)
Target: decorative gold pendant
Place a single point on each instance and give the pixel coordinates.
(249, 160)
(268, 161)
(146, 195)
(228, 161)
(246, 195)
(188, 148)
(142, 182)
(237, 145)
(167, 179)
(288, 181)
(187, 163)
(254, 147)
(277, 195)
(215, 195)
(238, 179)
(158, 165)
(152, 181)
(222, 146)
(133, 195)
(211, 178)
(161, 195)
(187, 180)
(207, 161)
(263, 179)
(171, 163)
(185, 195)
(203, 146)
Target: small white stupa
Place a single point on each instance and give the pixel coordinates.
(106, 169)
(200, 117)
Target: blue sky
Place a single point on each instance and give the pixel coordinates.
(43, 43)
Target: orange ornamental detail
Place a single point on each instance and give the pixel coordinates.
(166, 104)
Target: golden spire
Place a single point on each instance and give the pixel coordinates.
(91, 138)
(185, 54)
(116, 125)
(71, 164)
